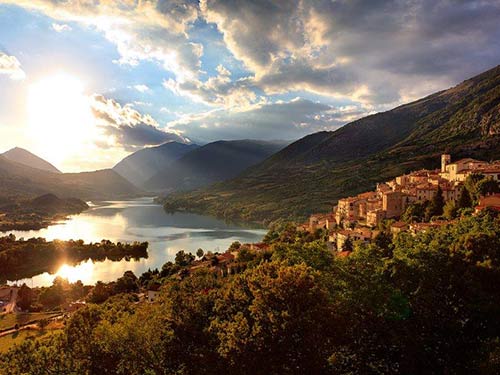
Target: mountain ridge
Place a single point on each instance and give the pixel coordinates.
(18, 181)
(311, 174)
(141, 165)
(214, 162)
(23, 156)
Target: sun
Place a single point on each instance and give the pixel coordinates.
(60, 120)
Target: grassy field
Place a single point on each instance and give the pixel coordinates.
(6, 342)
(10, 320)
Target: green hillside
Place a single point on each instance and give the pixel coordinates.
(313, 173)
(213, 162)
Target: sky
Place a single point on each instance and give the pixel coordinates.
(84, 83)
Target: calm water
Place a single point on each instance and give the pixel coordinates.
(140, 220)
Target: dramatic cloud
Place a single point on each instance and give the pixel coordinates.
(282, 120)
(125, 127)
(247, 59)
(10, 65)
(377, 52)
(142, 30)
(217, 90)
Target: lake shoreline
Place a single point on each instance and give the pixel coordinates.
(127, 221)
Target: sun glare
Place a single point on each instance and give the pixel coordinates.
(82, 272)
(60, 120)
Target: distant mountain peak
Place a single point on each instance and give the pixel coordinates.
(145, 163)
(25, 157)
(213, 162)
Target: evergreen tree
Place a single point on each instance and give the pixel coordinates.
(464, 201)
(24, 297)
(436, 206)
(450, 210)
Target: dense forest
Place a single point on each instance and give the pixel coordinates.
(20, 259)
(409, 304)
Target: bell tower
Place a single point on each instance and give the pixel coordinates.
(445, 160)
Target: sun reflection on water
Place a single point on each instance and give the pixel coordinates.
(83, 272)
(128, 221)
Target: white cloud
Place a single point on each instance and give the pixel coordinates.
(10, 66)
(142, 88)
(141, 30)
(279, 120)
(379, 53)
(375, 52)
(123, 126)
(60, 27)
(143, 104)
(218, 90)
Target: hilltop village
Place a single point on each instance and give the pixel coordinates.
(359, 218)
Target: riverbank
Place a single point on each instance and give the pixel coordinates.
(38, 213)
(20, 259)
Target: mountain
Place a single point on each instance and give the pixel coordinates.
(311, 174)
(22, 156)
(211, 163)
(144, 164)
(18, 181)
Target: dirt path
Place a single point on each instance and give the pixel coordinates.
(13, 330)
(31, 325)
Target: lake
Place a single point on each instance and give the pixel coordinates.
(137, 220)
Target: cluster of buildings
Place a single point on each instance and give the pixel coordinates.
(355, 217)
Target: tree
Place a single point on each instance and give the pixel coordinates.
(100, 293)
(348, 245)
(24, 297)
(200, 253)
(235, 246)
(414, 212)
(436, 206)
(487, 186)
(55, 295)
(183, 259)
(275, 328)
(464, 200)
(169, 269)
(471, 184)
(127, 283)
(77, 290)
(450, 210)
(384, 241)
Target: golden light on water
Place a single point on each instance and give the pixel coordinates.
(82, 272)
(60, 119)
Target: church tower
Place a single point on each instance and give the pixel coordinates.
(445, 160)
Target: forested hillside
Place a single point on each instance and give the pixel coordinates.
(413, 304)
(312, 173)
(214, 162)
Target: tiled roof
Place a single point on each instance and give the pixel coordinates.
(399, 224)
